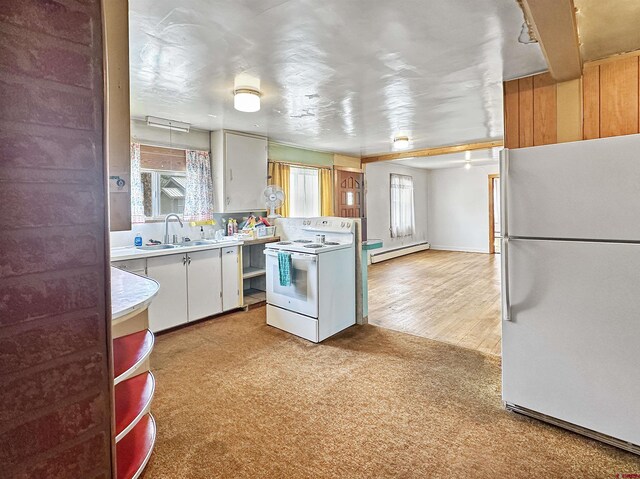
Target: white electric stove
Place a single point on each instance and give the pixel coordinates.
(321, 299)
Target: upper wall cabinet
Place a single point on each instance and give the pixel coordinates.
(239, 167)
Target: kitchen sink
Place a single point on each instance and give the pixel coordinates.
(156, 247)
(197, 243)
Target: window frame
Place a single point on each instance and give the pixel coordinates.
(292, 169)
(156, 192)
(391, 208)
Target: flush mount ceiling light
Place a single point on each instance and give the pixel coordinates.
(168, 124)
(401, 142)
(246, 100)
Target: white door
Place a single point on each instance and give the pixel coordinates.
(169, 307)
(581, 190)
(302, 295)
(230, 278)
(246, 172)
(204, 281)
(570, 350)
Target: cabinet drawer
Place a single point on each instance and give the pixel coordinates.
(133, 265)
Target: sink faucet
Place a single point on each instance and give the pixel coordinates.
(166, 226)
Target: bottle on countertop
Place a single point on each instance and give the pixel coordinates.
(230, 227)
(138, 240)
(201, 232)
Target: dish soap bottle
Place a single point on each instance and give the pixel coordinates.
(201, 232)
(138, 240)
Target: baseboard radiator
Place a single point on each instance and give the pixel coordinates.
(401, 251)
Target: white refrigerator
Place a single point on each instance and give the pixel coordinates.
(571, 286)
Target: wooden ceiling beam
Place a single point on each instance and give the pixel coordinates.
(440, 150)
(554, 25)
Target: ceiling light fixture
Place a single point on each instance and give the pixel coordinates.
(246, 100)
(401, 142)
(168, 124)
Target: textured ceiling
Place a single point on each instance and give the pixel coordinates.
(336, 75)
(488, 156)
(606, 28)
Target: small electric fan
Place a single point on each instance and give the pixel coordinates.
(273, 198)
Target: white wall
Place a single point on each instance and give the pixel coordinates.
(458, 210)
(379, 203)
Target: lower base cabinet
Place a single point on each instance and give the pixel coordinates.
(204, 284)
(169, 308)
(194, 286)
(231, 278)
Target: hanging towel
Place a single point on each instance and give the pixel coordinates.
(284, 268)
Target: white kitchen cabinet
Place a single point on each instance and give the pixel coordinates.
(204, 283)
(239, 167)
(231, 282)
(169, 308)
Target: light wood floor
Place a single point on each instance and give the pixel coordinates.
(443, 295)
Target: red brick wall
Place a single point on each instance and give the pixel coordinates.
(55, 391)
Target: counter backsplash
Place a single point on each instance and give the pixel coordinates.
(156, 230)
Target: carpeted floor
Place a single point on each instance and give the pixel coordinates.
(238, 399)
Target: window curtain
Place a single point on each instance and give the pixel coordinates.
(279, 174)
(402, 209)
(304, 187)
(137, 196)
(198, 203)
(326, 192)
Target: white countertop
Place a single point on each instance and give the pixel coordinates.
(130, 292)
(131, 252)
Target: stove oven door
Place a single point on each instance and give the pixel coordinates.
(302, 295)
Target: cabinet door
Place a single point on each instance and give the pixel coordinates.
(169, 307)
(230, 278)
(204, 279)
(246, 172)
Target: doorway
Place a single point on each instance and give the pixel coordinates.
(495, 235)
(349, 195)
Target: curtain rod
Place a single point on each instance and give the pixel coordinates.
(303, 165)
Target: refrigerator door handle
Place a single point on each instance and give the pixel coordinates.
(506, 304)
(504, 227)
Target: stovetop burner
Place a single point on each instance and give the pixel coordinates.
(314, 245)
(331, 243)
(302, 241)
(283, 243)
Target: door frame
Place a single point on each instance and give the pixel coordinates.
(492, 238)
(335, 187)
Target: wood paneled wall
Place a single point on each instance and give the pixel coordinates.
(55, 394)
(611, 98)
(160, 158)
(603, 103)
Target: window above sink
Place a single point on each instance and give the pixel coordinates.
(164, 181)
(163, 192)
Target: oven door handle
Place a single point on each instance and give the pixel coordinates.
(308, 257)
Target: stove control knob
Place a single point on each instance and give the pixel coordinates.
(342, 224)
(348, 225)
